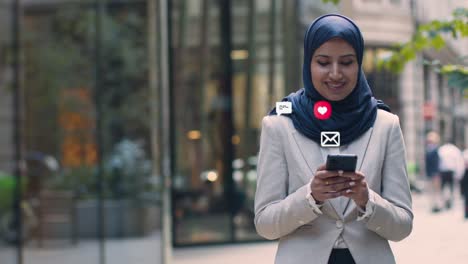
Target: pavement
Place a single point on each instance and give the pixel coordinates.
(436, 238)
(117, 251)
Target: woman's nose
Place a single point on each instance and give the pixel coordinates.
(335, 72)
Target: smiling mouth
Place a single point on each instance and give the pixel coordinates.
(335, 86)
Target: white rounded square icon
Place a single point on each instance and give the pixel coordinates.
(330, 139)
(283, 108)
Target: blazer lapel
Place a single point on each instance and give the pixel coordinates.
(310, 152)
(358, 147)
(312, 157)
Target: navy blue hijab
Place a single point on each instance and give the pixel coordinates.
(351, 116)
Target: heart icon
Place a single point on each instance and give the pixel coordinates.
(322, 110)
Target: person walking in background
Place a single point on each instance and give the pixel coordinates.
(330, 216)
(464, 183)
(432, 169)
(451, 169)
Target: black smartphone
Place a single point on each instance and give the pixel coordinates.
(344, 162)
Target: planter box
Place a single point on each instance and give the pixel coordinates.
(122, 218)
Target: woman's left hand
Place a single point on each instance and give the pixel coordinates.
(359, 192)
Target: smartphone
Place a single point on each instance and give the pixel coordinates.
(344, 162)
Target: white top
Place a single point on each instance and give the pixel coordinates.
(451, 159)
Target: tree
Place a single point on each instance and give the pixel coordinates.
(431, 35)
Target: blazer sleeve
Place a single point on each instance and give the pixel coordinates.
(392, 218)
(277, 213)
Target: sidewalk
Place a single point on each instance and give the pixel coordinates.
(117, 251)
(436, 238)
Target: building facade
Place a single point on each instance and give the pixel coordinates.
(228, 63)
(88, 187)
(214, 173)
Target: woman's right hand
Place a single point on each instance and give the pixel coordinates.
(329, 184)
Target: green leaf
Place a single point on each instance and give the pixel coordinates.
(461, 27)
(460, 12)
(408, 53)
(458, 79)
(335, 2)
(449, 68)
(438, 42)
(429, 35)
(420, 42)
(424, 27)
(457, 75)
(436, 24)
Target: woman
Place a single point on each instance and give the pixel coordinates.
(432, 161)
(322, 216)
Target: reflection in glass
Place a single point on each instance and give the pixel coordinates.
(383, 83)
(213, 195)
(60, 124)
(8, 230)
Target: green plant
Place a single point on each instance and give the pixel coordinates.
(7, 189)
(432, 35)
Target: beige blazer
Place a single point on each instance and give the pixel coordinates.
(287, 162)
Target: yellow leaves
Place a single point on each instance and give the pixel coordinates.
(77, 126)
(76, 152)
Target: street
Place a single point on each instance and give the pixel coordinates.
(436, 238)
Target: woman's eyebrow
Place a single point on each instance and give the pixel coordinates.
(328, 56)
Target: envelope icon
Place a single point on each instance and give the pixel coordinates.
(330, 139)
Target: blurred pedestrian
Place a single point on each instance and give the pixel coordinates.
(452, 167)
(433, 170)
(464, 183)
(328, 216)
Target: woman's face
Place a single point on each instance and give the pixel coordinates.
(334, 69)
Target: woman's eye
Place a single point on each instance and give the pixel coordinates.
(347, 63)
(321, 63)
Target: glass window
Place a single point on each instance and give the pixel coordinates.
(8, 230)
(65, 112)
(217, 129)
(384, 84)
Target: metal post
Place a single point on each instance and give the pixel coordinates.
(291, 49)
(166, 139)
(272, 51)
(249, 90)
(17, 124)
(99, 11)
(154, 53)
(227, 128)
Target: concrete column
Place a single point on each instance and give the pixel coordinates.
(412, 122)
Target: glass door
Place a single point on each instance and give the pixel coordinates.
(91, 186)
(8, 89)
(226, 75)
